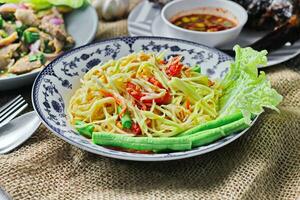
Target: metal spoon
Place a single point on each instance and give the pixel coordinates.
(18, 131)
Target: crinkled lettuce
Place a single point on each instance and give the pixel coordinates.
(246, 90)
(42, 4)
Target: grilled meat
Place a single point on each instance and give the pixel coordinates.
(268, 14)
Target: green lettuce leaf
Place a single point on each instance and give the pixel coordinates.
(42, 4)
(245, 90)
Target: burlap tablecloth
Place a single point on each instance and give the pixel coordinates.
(262, 164)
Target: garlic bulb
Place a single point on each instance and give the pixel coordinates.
(111, 9)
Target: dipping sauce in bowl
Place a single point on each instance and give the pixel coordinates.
(203, 22)
(212, 23)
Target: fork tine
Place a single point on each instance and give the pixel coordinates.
(13, 105)
(12, 114)
(9, 103)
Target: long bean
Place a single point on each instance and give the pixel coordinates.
(172, 143)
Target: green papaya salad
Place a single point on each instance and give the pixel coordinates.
(145, 103)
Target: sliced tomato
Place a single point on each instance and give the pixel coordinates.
(166, 99)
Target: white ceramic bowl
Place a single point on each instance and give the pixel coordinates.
(223, 8)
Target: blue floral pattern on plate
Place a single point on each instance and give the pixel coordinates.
(56, 84)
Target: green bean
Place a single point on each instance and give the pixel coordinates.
(172, 143)
(84, 129)
(141, 143)
(209, 136)
(213, 124)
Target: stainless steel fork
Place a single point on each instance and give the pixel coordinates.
(11, 110)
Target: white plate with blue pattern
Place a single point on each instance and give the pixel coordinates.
(55, 85)
(145, 20)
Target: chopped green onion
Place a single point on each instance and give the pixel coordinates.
(30, 37)
(23, 54)
(1, 21)
(48, 48)
(119, 109)
(33, 58)
(125, 119)
(20, 30)
(84, 129)
(197, 68)
(40, 57)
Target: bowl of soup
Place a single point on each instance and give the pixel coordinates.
(209, 22)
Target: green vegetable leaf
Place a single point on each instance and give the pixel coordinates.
(20, 30)
(245, 90)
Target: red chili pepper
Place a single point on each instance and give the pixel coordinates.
(155, 82)
(136, 129)
(175, 68)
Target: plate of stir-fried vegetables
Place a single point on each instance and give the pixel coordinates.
(152, 98)
(32, 35)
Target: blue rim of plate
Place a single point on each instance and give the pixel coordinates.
(126, 155)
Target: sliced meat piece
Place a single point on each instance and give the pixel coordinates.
(23, 65)
(5, 62)
(55, 29)
(9, 28)
(6, 54)
(9, 40)
(9, 50)
(27, 17)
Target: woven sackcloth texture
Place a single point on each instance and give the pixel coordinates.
(263, 164)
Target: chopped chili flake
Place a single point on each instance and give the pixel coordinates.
(188, 104)
(135, 128)
(210, 83)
